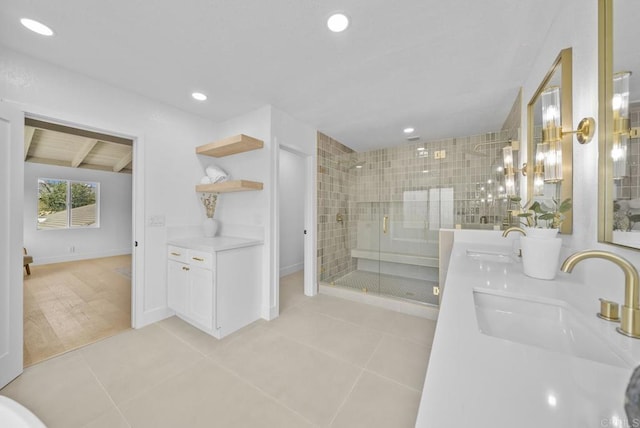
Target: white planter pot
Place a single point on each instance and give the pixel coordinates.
(540, 257)
(536, 232)
(210, 227)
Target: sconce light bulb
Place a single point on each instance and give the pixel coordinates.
(616, 102)
(616, 153)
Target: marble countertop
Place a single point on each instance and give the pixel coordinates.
(219, 243)
(474, 379)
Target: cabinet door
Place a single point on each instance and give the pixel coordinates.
(201, 296)
(178, 285)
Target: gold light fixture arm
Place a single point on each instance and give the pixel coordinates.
(586, 130)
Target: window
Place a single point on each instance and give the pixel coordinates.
(64, 204)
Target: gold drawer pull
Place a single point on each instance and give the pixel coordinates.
(175, 254)
(199, 259)
(185, 268)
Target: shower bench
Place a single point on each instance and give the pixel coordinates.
(407, 259)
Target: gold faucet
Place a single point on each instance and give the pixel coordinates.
(514, 229)
(630, 322)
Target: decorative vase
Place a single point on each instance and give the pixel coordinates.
(210, 227)
(540, 256)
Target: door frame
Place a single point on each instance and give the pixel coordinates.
(11, 293)
(137, 200)
(310, 207)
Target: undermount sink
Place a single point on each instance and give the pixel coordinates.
(489, 256)
(548, 324)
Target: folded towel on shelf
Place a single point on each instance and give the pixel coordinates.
(216, 174)
(205, 180)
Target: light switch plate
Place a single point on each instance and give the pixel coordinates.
(156, 220)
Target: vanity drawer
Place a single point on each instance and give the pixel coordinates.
(200, 258)
(178, 254)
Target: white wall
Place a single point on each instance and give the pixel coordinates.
(292, 169)
(113, 237)
(164, 141)
(576, 26)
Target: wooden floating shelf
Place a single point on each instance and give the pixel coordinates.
(229, 186)
(230, 146)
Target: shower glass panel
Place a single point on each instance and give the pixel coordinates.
(380, 212)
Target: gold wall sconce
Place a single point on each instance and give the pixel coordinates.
(622, 129)
(552, 133)
(509, 169)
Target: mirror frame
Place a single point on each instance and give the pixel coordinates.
(565, 61)
(605, 113)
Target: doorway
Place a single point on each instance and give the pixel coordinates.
(292, 178)
(78, 212)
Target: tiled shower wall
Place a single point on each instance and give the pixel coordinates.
(335, 179)
(629, 187)
(471, 167)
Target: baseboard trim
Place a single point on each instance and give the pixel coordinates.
(288, 270)
(72, 257)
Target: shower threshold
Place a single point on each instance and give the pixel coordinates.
(415, 290)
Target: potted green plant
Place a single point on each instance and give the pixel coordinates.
(539, 215)
(541, 246)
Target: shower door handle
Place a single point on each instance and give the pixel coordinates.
(385, 219)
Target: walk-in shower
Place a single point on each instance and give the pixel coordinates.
(380, 212)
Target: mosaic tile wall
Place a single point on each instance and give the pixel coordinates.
(629, 187)
(363, 187)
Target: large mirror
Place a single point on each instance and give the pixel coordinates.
(549, 149)
(619, 181)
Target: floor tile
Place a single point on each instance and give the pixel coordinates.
(378, 402)
(200, 340)
(292, 290)
(207, 395)
(306, 380)
(61, 391)
(401, 360)
(358, 313)
(420, 330)
(338, 338)
(134, 361)
(111, 419)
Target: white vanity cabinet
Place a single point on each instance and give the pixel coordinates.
(215, 283)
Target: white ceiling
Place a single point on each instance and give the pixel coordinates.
(447, 68)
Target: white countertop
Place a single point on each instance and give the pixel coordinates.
(219, 243)
(477, 380)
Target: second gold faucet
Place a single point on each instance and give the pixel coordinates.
(630, 320)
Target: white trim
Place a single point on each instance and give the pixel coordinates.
(311, 225)
(138, 316)
(11, 244)
(288, 270)
(310, 215)
(138, 232)
(85, 256)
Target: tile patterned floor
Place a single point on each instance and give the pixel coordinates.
(325, 362)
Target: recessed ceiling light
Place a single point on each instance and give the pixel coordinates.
(408, 130)
(338, 22)
(199, 96)
(36, 27)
